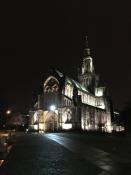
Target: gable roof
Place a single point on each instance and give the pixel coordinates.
(72, 82)
(76, 84)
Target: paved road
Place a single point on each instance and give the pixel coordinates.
(53, 154)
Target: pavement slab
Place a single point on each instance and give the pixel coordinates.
(107, 162)
(35, 154)
(60, 154)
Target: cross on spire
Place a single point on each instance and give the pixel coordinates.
(86, 49)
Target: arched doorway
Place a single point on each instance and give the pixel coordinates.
(50, 121)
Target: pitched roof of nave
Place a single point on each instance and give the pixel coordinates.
(73, 82)
(76, 84)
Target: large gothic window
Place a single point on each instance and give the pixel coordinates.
(51, 84)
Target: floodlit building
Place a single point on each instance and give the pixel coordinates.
(66, 104)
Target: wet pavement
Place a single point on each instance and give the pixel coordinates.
(107, 162)
(59, 154)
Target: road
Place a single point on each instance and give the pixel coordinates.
(63, 154)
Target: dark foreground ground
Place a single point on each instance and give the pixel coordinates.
(68, 154)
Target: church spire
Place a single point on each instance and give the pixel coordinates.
(86, 48)
(87, 65)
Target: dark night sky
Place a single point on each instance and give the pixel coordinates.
(37, 35)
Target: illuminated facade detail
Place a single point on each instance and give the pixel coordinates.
(51, 84)
(68, 91)
(81, 104)
(99, 91)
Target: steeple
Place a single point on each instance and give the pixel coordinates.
(86, 47)
(87, 66)
(86, 77)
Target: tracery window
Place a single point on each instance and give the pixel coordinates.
(51, 84)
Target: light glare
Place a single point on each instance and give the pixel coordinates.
(52, 107)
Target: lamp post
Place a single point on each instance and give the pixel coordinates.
(8, 112)
(7, 115)
(53, 108)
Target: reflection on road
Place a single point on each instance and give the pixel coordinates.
(97, 157)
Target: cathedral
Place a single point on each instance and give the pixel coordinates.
(68, 104)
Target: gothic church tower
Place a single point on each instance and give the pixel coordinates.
(87, 77)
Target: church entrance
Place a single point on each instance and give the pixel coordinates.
(50, 121)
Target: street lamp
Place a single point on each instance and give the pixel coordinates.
(53, 108)
(8, 112)
(7, 115)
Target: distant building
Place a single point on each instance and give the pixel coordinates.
(66, 104)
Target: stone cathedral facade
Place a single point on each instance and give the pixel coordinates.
(67, 104)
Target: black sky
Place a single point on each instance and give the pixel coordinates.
(37, 35)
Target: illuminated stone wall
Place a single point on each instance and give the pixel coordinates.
(90, 112)
(95, 119)
(81, 104)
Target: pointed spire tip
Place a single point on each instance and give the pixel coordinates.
(86, 49)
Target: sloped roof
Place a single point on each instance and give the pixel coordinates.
(59, 73)
(76, 84)
(72, 82)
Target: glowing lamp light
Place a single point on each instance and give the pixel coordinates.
(8, 112)
(52, 107)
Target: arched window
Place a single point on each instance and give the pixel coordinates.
(51, 84)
